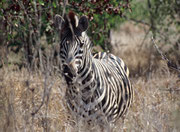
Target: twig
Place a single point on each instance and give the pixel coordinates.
(159, 51)
(46, 92)
(176, 89)
(28, 44)
(169, 63)
(137, 21)
(140, 48)
(47, 89)
(59, 36)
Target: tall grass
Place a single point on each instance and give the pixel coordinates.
(156, 104)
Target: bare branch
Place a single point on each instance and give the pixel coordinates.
(169, 63)
(137, 21)
(140, 48)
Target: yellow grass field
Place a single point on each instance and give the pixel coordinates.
(156, 104)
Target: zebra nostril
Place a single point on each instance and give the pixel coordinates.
(67, 71)
(66, 68)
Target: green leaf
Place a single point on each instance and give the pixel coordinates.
(41, 2)
(54, 4)
(9, 36)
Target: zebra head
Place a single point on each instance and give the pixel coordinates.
(72, 46)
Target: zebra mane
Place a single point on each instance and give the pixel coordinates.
(73, 19)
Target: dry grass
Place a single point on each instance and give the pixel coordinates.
(156, 101)
(156, 104)
(22, 93)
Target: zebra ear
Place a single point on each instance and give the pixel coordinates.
(59, 22)
(83, 23)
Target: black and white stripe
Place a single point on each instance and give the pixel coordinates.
(98, 86)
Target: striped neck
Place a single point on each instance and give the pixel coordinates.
(85, 72)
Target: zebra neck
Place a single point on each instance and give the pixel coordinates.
(84, 82)
(85, 74)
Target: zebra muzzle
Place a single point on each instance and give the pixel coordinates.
(72, 66)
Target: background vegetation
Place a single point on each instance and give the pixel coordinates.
(32, 89)
(28, 23)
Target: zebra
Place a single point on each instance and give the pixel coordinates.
(98, 86)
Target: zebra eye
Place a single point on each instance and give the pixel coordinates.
(80, 51)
